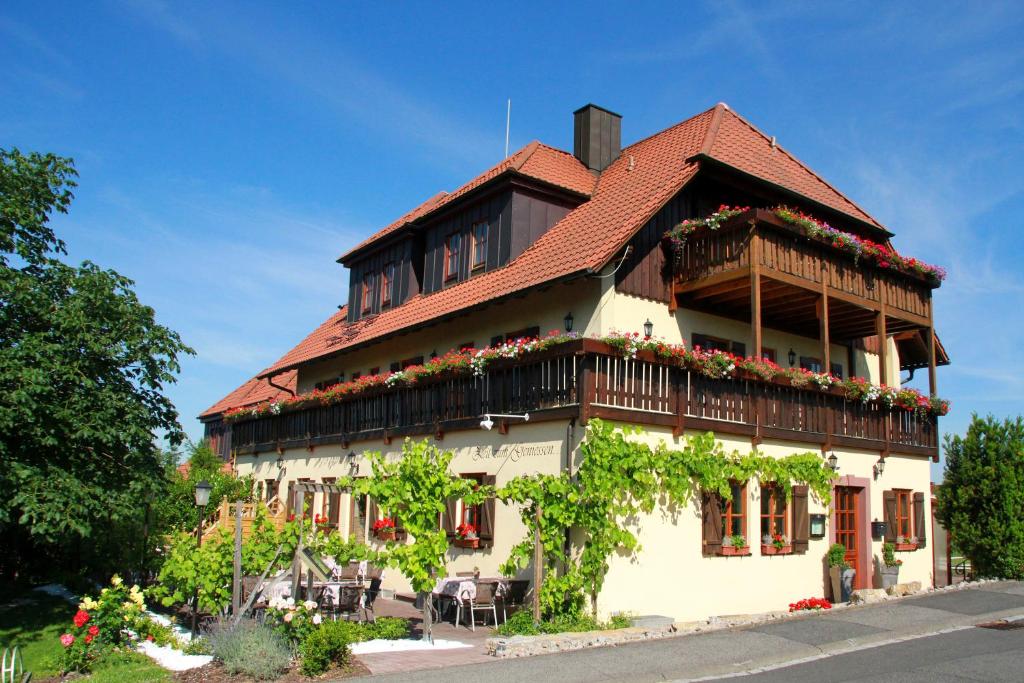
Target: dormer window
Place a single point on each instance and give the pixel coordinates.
(452, 246)
(386, 283)
(367, 293)
(479, 251)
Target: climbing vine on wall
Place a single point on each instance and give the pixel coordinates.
(620, 477)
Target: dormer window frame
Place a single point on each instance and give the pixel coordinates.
(367, 303)
(452, 253)
(478, 236)
(387, 283)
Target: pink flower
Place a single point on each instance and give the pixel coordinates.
(67, 639)
(288, 617)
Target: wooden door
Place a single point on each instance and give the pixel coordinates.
(848, 531)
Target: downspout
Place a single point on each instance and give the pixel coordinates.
(270, 381)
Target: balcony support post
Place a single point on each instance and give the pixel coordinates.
(930, 341)
(755, 290)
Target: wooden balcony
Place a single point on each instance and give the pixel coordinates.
(760, 269)
(585, 379)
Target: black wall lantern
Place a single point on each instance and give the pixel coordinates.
(568, 321)
(877, 531)
(792, 358)
(648, 328)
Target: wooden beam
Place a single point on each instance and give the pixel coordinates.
(929, 339)
(826, 350)
(755, 290)
(693, 285)
(883, 345)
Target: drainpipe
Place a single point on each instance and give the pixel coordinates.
(270, 381)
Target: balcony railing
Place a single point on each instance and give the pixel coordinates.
(587, 378)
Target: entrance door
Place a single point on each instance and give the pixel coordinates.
(848, 531)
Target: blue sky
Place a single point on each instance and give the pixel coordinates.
(230, 152)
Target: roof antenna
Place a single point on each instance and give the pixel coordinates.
(508, 124)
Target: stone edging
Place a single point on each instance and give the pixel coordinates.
(528, 646)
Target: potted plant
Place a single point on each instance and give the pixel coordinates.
(322, 522)
(775, 544)
(840, 573)
(890, 567)
(384, 529)
(735, 545)
(466, 536)
(904, 543)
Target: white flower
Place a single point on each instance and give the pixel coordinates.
(310, 605)
(290, 602)
(317, 619)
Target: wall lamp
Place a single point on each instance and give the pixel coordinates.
(792, 358)
(487, 423)
(879, 467)
(833, 461)
(353, 466)
(648, 328)
(568, 321)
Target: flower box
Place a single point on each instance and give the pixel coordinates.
(387, 534)
(729, 550)
(905, 547)
(771, 549)
(467, 542)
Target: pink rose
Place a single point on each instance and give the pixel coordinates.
(67, 639)
(288, 617)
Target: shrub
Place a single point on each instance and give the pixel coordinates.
(251, 649)
(293, 620)
(982, 495)
(326, 645)
(387, 628)
(521, 624)
(837, 556)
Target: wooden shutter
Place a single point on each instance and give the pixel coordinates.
(487, 510)
(711, 509)
(400, 533)
(372, 514)
(448, 517)
(920, 524)
(801, 520)
(889, 512)
(332, 504)
(290, 507)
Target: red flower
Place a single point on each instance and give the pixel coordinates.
(88, 638)
(150, 638)
(94, 630)
(81, 618)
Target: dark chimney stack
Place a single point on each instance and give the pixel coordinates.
(597, 136)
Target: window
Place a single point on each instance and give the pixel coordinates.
(768, 354)
(479, 236)
(525, 333)
(471, 514)
(367, 293)
(812, 364)
(734, 511)
(270, 489)
(836, 369)
(418, 360)
(773, 511)
(387, 280)
(452, 246)
(395, 367)
(709, 343)
(374, 371)
(903, 525)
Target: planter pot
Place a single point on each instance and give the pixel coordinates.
(770, 549)
(905, 547)
(734, 551)
(847, 583)
(467, 542)
(890, 576)
(386, 535)
(836, 583)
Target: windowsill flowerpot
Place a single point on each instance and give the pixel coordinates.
(772, 549)
(905, 547)
(733, 551)
(386, 535)
(467, 543)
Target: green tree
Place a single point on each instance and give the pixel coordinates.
(83, 369)
(981, 499)
(414, 489)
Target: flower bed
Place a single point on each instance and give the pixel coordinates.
(810, 605)
(711, 363)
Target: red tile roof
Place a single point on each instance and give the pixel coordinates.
(623, 198)
(254, 391)
(535, 160)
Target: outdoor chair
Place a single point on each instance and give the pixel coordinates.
(349, 572)
(369, 597)
(514, 596)
(483, 602)
(349, 599)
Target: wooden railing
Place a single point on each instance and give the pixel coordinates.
(223, 517)
(786, 251)
(587, 378)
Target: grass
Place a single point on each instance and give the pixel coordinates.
(33, 622)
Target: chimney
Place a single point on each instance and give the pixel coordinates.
(597, 136)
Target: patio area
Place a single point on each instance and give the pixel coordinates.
(414, 660)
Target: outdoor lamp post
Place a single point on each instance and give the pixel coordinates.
(203, 490)
(568, 321)
(648, 328)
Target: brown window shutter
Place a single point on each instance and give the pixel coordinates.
(889, 512)
(920, 525)
(291, 498)
(448, 517)
(373, 514)
(711, 509)
(487, 514)
(801, 519)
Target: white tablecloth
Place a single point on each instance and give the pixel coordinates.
(463, 587)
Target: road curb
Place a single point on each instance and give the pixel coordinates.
(937, 627)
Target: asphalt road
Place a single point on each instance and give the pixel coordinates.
(973, 654)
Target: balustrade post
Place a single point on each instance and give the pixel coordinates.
(586, 386)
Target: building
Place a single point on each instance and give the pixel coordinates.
(548, 240)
